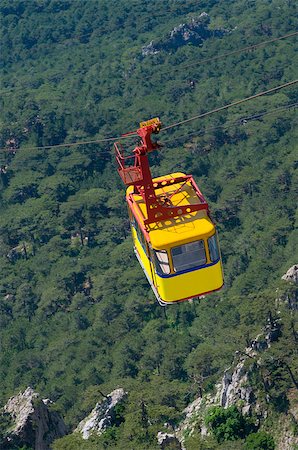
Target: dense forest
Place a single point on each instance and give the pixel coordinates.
(77, 316)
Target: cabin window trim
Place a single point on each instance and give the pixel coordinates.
(194, 269)
(140, 235)
(214, 252)
(186, 248)
(161, 262)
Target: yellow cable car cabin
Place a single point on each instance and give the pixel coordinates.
(174, 237)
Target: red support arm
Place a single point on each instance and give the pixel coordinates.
(139, 175)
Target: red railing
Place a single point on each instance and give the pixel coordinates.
(134, 170)
(127, 168)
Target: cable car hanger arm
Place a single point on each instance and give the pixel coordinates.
(158, 206)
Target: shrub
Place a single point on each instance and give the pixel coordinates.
(228, 424)
(259, 441)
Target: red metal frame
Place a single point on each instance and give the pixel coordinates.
(135, 170)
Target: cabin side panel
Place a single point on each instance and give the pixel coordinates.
(190, 284)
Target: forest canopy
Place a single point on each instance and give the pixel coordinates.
(77, 316)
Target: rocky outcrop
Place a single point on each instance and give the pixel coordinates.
(34, 423)
(150, 49)
(234, 387)
(291, 275)
(193, 418)
(287, 440)
(194, 32)
(102, 416)
(166, 440)
(289, 295)
(235, 384)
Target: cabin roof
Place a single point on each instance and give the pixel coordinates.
(179, 230)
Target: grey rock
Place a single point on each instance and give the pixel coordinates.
(194, 32)
(235, 387)
(291, 275)
(101, 417)
(34, 424)
(289, 296)
(167, 439)
(149, 49)
(287, 439)
(226, 381)
(273, 335)
(246, 410)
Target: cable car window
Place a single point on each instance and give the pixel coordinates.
(188, 256)
(162, 262)
(213, 248)
(140, 235)
(133, 221)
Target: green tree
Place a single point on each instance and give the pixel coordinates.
(227, 424)
(259, 441)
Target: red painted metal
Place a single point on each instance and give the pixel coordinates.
(135, 170)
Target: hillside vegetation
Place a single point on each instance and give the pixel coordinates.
(77, 317)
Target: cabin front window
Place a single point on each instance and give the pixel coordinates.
(188, 256)
(213, 248)
(162, 262)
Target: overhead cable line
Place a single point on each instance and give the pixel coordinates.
(234, 52)
(95, 31)
(243, 120)
(76, 37)
(134, 134)
(221, 108)
(175, 69)
(73, 144)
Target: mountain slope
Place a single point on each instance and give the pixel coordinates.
(77, 316)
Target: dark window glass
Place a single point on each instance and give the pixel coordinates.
(188, 256)
(213, 248)
(162, 262)
(140, 235)
(133, 221)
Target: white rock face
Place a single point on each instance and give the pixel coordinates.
(193, 416)
(289, 298)
(20, 407)
(192, 407)
(235, 387)
(196, 31)
(291, 274)
(35, 424)
(286, 438)
(101, 416)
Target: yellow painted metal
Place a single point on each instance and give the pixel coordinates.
(181, 229)
(190, 284)
(180, 286)
(154, 121)
(174, 232)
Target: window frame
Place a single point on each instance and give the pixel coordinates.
(197, 265)
(158, 268)
(140, 235)
(214, 236)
